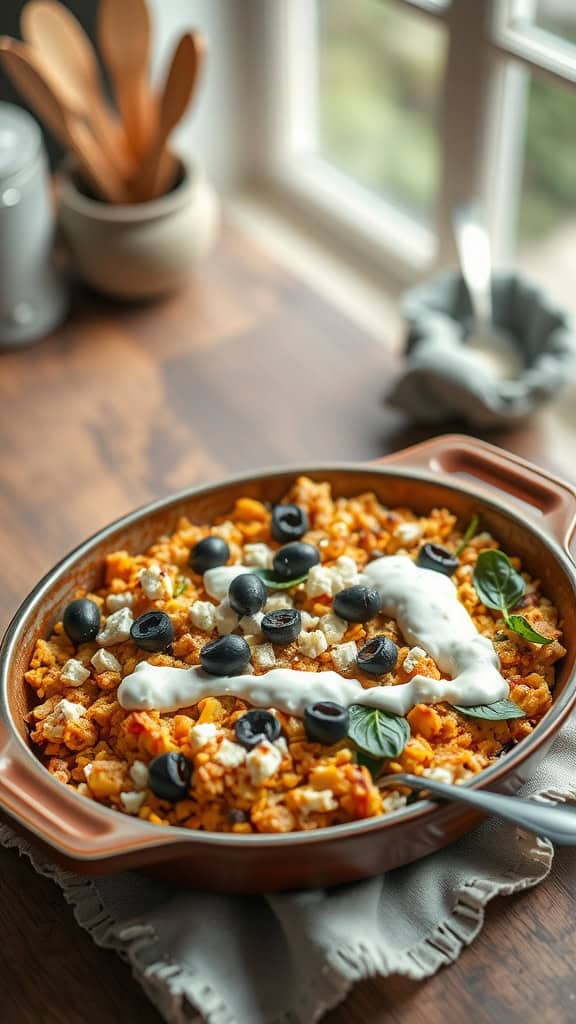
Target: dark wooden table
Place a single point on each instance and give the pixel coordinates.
(245, 368)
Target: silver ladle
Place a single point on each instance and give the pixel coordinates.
(489, 345)
(557, 823)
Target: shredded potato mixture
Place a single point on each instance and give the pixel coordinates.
(91, 744)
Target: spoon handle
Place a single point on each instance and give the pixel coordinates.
(552, 821)
(473, 247)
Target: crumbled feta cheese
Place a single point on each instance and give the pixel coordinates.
(225, 618)
(258, 555)
(263, 656)
(439, 774)
(116, 601)
(117, 628)
(104, 661)
(281, 745)
(88, 771)
(251, 624)
(201, 734)
(65, 711)
(139, 774)
(324, 580)
(70, 710)
(262, 762)
(312, 644)
(132, 802)
(202, 615)
(317, 801)
(309, 621)
(227, 530)
(74, 673)
(408, 533)
(414, 655)
(333, 627)
(347, 570)
(230, 755)
(156, 583)
(393, 801)
(276, 602)
(319, 581)
(344, 656)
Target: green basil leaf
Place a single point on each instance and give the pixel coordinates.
(373, 764)
(469, 533)
(275, 584)
(497, 583)
(181, 584)
(497, 712)
(521, 626)
(376, 732)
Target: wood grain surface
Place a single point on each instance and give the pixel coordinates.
(245, 368)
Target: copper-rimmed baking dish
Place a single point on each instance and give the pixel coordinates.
(530, 512)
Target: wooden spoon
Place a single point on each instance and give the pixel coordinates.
(124, 36)
(65, 56)
(158, 165)
(18, 62)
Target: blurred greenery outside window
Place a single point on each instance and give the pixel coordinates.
(380, 71)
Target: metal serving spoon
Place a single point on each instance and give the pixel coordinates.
(488, 343)
(557, 823)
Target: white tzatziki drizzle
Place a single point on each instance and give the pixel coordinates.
(426, 608)
(429, 614)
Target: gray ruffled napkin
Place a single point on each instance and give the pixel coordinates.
(444, 378)
(199, 956)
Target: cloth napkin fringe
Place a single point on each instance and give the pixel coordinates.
(183, 997)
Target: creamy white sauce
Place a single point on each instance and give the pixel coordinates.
(217, 581)
(426, 608)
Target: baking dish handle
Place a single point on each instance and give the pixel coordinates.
(544, 498)
(76, 827)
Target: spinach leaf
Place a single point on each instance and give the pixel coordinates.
(376, 732)
(521, 626)
(275, 584)
(500, 711)
(181, 584)
(373, 764)
(497, 583)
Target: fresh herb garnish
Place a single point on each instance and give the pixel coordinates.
(373, 764)
(499, 586)
(181, 584)
(378, 733)
(497, 712)
(469, 533)
(521, 626)
(273, 583)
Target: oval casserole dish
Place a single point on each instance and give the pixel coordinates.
(531, 513)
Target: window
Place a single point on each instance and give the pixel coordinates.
(386, 114)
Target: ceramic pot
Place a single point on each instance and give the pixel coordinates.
(141, 250)
(530, 512)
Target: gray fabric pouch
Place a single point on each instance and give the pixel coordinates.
(444, 378)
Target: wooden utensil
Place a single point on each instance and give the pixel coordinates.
(159, 164)
(124, 36)
(67, 61)
(18, 62)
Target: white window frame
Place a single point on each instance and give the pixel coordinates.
(484, 92)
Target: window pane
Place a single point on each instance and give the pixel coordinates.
(557, 17)
(547, 212)
(380, 78)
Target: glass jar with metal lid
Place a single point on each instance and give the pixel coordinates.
(33, 293)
